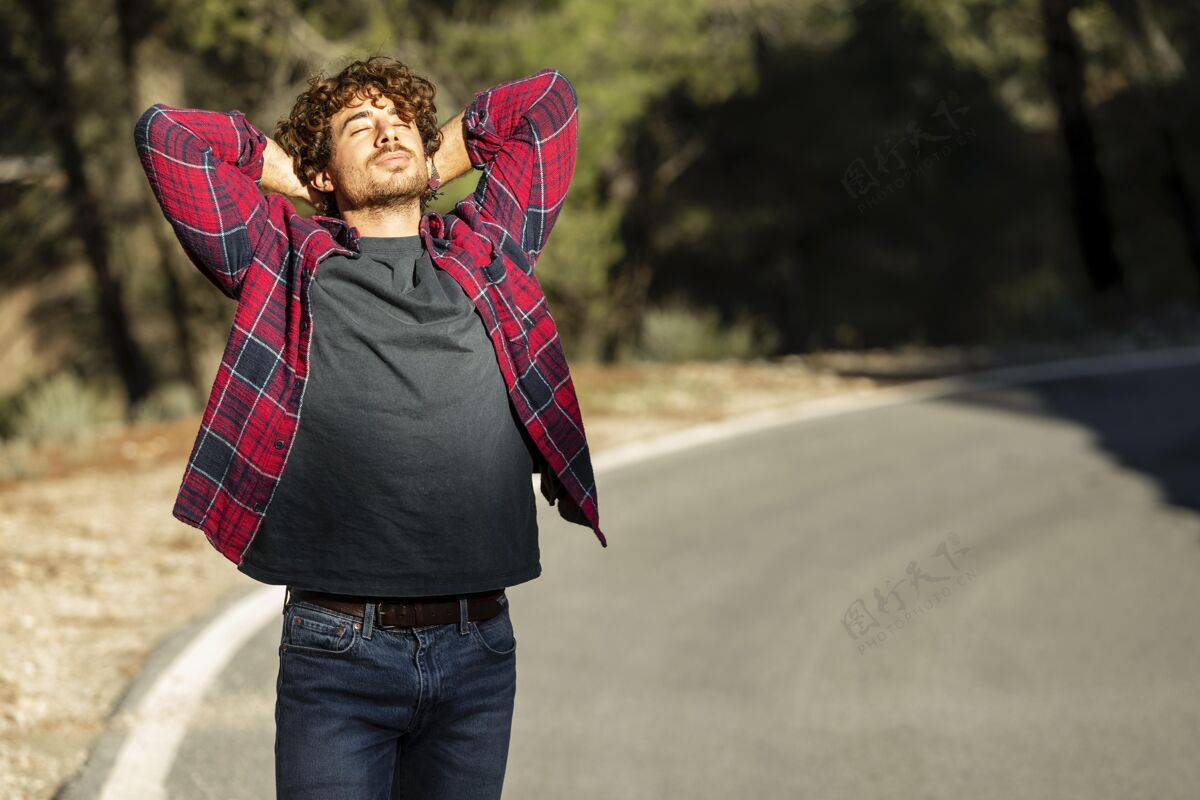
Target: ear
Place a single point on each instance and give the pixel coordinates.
(322, 182)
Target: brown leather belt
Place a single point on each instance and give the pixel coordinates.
(406, 613)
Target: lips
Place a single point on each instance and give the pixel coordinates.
(396, 159)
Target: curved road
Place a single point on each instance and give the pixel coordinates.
(986, 596)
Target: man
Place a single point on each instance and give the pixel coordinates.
(418, 351)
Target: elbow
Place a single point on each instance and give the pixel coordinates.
(145, 130)
(567, 89)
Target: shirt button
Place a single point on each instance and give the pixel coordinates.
(259, 507)
(303, 324)
(279, 444)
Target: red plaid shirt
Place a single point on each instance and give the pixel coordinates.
(204, 168)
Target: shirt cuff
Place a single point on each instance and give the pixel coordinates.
(481, 140)
(254, 144)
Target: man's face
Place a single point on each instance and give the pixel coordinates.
(378, 159)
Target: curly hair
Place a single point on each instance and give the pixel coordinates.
(306, 134)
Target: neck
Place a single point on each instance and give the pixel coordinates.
(403, 221)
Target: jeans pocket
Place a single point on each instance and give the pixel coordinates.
(495, 635)
(314, 630)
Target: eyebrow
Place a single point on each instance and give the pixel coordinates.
(362, 114)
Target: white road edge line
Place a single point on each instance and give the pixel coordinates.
(159, 722)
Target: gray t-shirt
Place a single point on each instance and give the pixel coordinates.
(411, 474)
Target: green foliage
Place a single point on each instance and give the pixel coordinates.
(707, 216)
(676, 332)
(1000, 39)
(169, 401)
(624, 58)
(62, 407)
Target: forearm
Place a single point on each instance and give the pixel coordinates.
(451, 159)
(203, 168)
(523, 135)
(279, 173)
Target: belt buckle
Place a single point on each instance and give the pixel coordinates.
(380, 621)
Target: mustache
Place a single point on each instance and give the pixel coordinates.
(394, 149)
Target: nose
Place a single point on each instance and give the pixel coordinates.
(387, 130)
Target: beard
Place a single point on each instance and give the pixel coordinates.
(363, 189)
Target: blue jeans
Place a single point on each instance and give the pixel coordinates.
(364, 713)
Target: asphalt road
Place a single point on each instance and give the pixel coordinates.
(730, 642)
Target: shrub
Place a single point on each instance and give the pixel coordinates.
(61, 407)
(170, 401)
(676, 332)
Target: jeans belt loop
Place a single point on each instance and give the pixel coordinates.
(368, 625)
(462, 616)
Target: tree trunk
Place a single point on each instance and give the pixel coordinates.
(1167, 67)
(134, 23)
(130, 362)
(1180, 195)
(1093, 225)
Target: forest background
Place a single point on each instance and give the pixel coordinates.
(755, 177)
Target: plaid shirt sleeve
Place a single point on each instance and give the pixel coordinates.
(523, 134)
(204, 168)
